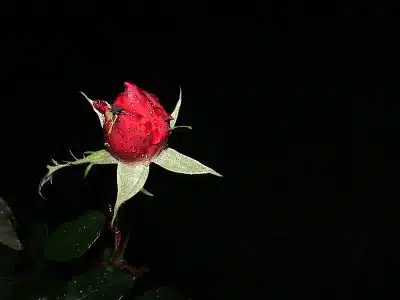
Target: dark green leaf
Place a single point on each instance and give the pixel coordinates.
(100, 283)
(161, 293)
(36, 286)
(107, 254)
(33, 282)
(74, 238)
(8, 258)
(38, 235)
(8, 234)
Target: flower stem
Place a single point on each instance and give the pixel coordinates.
(119, 248)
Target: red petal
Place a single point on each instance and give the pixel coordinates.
(101, 106)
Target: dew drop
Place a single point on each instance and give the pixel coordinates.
(158, 111)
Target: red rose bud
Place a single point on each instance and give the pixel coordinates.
(136, 127)
(137, 101)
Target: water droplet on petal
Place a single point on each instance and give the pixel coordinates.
(158, 111)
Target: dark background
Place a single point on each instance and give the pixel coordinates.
(295, 109)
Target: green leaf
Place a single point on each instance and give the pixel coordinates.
(8, 259)
(101, 157)
(161, 293)
(174, 161)
(74, 238)
(8, 235)
(30, 285)
(130, 180)
(36, 285)
(107, 254)
(38, 234)
(106, 283)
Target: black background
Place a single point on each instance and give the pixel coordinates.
(295, 109)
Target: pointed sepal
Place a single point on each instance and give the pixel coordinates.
(174, 161)
(146, 192)
(130, 181)
(101, 157)
(175, 113)
(100, 115)
(88, 168)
